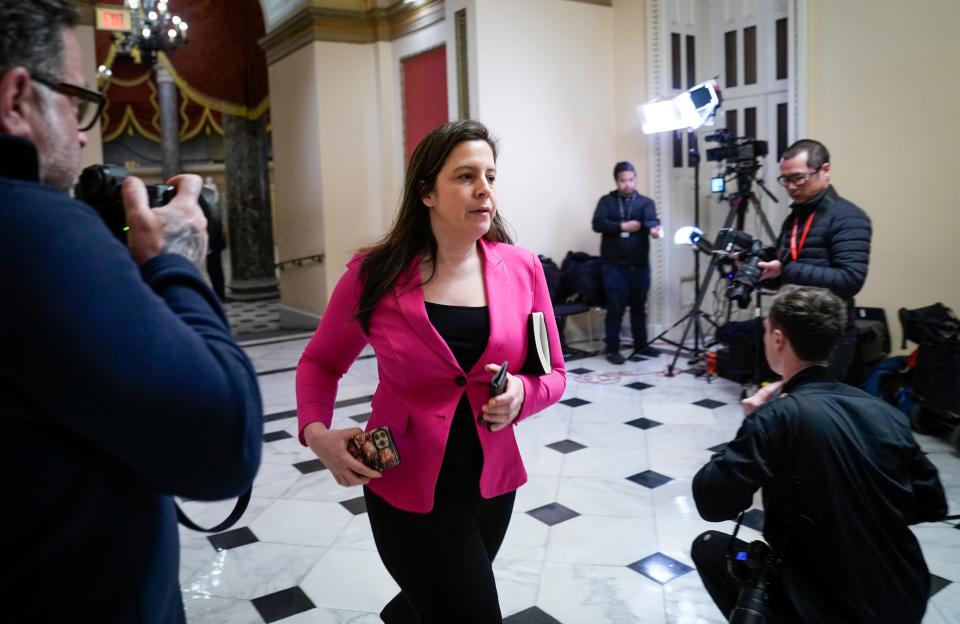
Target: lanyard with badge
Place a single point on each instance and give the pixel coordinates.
(623, 215)
(794, 248)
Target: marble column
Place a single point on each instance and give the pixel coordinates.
(169, 122)
(253, 275)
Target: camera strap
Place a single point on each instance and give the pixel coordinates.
(238, 511)
(794, 249)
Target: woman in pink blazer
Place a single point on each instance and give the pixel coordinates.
(443, 299)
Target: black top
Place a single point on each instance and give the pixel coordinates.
(466, 331)
(119, 387)
(842, 478)
(617, 246)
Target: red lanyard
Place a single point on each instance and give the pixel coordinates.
(794, 250)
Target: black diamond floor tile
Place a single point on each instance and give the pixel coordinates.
(709, 403)
(280, 416)
(361, 418)
(552, 514)
(577, 371)
(566, 446)
(311, 465)
(638, 385)
(349, 402)
(643, 423)
(233, 539)
(754, 520)
(937, 583)
(650, 479)
(533, 615)
(575, 402)
(273, 436)
(660, 568)
(356, 506)
(282, 604)
(717, 448)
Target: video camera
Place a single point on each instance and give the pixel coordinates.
(751, 253)
(755, 568)
(734, 149)
(100, 186)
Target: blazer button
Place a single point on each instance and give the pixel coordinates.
(461, 380)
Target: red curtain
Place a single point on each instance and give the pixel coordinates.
(222, 69)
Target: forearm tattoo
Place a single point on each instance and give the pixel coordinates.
(183, 237)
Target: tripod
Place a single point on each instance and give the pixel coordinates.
(739, 202)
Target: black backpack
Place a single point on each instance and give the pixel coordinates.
(554, 279)
(936, 376)
(583, 278)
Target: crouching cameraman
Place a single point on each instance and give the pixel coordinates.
(120, 384)
(842, 479)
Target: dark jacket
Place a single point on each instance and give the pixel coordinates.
(119, 387)
(841, 483)
(837, 249)
(635, 248)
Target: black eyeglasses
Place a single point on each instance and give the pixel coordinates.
(798, 179)
(87, 103)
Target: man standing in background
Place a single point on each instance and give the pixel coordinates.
(625, 219)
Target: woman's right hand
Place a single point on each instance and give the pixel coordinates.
(330, 446)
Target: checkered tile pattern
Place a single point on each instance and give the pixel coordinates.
(253, 317)
(600, 533)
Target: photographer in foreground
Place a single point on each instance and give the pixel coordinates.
(824, 241)
(120, 383)
(842, 480)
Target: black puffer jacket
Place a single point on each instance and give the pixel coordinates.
(837, 249)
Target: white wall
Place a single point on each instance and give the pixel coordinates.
(545, 87)
(882, 97)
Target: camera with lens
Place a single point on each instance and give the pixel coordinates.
(751, 253)
(735, 149)
(756, 569)
(100, 186)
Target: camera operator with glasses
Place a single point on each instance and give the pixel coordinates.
(842, 479)
(120, 383)
(824, 242)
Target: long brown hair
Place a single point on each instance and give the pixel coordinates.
(410, 234)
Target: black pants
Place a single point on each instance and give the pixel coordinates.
(842, 356)
(442, 559)
(626, 285)
(707, 553)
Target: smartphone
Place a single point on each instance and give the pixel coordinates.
(375, 449)
(498, 385)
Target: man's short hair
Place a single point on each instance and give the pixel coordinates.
(30, 35)
(817, 154)
(622, 166)
(812, 319)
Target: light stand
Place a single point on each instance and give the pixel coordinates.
(693, 317)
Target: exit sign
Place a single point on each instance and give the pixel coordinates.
(113, 18)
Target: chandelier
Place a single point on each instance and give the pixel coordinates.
(152, 29)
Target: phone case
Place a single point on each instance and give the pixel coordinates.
(375, 449)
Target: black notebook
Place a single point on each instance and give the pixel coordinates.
(538, 346)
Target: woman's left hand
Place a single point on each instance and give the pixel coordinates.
(504, 408)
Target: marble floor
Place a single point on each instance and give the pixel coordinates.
(601, 532)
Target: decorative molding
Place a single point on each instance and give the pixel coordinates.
(606, 3)
(313, 23)
(463, 75)
(655, 85)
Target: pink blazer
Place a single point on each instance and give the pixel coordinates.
(420, 380)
